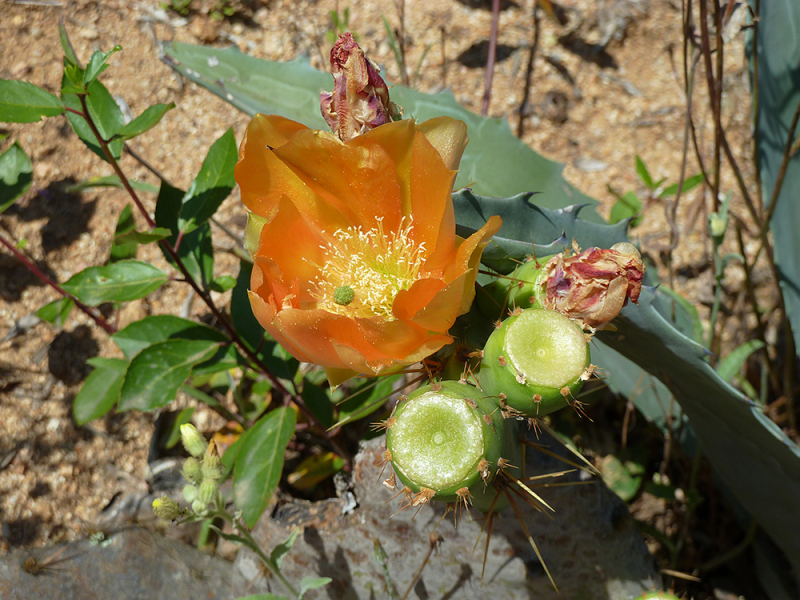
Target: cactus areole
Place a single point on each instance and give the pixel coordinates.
(446, 437)
(536, 361)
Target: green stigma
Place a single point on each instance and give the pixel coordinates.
(343, 295)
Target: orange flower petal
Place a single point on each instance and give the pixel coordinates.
(448, 136)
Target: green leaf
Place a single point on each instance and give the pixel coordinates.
(125, 224)
(57, 311)
(689, 184)
(223, 283)
(182, 418)
(145, 121)
(260, 462)
(16, 175)
(112, 181)
(23, 102)
(318, 402)
(623, 479)
(118, 282)
(100, 391)
(195, 249)
(729, 367)
(213, 184)
(312, 583)
(158, 328)
(626, 207)
(66, 45)
(143, 237)
(105, 113)
(283, 548)
(641, 169)
(97, 64)
(157, 372)
(292, 89)
(366, 399)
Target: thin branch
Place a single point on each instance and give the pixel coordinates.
(101, 322)
(487, 92)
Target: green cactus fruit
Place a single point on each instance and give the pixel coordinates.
(520, 289)
(445, 441)
(535, 361)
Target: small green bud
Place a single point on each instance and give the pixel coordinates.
(190, 492)
(343, 295)
(212, 465)
(166, 508)
(198, 507)
(193, 440)
(192, 470)
(208, 491)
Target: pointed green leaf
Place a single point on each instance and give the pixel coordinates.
(260, 462)
(157, 372)
(16, 175)
(66, 45)
(57, 311)
(641, 169)
(292, 89)
(312, 583)
(689, 184)
(105, 113)
(158, 328)
(366, 398)
(730, 366)
(143, 237)
(283, 548)
(100, 391)
(223, 283)
(118, 282)
(145, 121)
(626, 207)
(97, 64)
(125, 224)
(112, 181)
(213, 184)
(23, 102)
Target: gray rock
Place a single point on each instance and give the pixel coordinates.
(589, 544)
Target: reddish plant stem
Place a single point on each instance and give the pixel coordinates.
(204, 294)
(487, 93)
(101, 322)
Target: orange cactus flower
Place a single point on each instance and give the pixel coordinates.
(357, 266)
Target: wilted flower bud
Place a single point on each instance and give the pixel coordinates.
(594, 285)
(166, 508)
(360, 98)
(212, 465)
(193, 440)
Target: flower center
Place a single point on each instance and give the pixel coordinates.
(364, 270)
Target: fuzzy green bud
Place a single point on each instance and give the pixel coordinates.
(198, 507)
(193, 440)
(537, 360)
(208, 491)
(190, 492)
(166, 508)
(212, 465)
(192, 470)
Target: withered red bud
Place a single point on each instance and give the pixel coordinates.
(594, 285)
(360, 98)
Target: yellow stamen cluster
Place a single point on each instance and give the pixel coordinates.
(364, 270)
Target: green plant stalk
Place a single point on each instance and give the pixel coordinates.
(204, 295)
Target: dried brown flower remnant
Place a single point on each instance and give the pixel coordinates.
(595, 284)
(360, 98)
